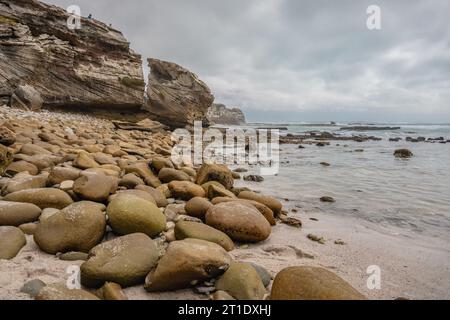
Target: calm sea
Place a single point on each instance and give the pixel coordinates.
(404, 196)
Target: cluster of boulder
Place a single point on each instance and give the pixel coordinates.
(85, 190)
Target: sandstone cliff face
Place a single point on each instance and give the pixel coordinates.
(176, 97)
(89, 67)
(220, 114)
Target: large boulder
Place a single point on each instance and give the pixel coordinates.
(91, 67)
(215, 172)
(197, 207)
(176, 96)
(186, 190)
(125, 260)
(242, 281)
(195, 230)
(78, 227)
(187, 262)
(12, 240)
(157, 195)
(16, 213)
(23, 181)
(240, 221)
(265, 211)
(142, 170)
(42, 197)
(60, 174)
(268, 201)
(95, 187)
(167, 175)
(26, 97)
(130, 214)
(311, 283)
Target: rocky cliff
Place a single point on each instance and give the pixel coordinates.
(90, 67)
(220, 114)
(176, 96)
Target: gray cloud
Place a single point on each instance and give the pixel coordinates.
(290, 60)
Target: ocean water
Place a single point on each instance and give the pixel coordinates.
(401, 196)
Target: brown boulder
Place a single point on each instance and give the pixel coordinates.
(311, 283)
(240, 221)
(215, 172)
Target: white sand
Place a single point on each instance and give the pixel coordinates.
(407, 269)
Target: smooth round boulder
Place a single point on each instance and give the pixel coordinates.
(95, 187)
(159, 163)
(28, 228)
(216, 191)
(240, 221)
(215, 172)
(22, 166)
(311, 283)
(157, 195)
(167, 175)
(197, 207)
(130, 214)
(125, 260)
(84, 160)
(268, 201)
(186, 190)
(111, 291)
(265, 211)
(17, 213)
(12, 240)
(78, 227)
(133, 192)
(42, 197)
(242, 282)
(24, 181)
(60, 292)
(195, 230)
(60, 174)
(130, 181)
(187, 262)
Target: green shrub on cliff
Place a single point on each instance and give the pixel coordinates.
(6, 20)
(132, 82)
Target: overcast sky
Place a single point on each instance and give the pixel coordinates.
(296, 60)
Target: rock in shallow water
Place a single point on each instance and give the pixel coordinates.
(311, 283)
(187, 262)
(78, 227)
(403, 153)
(125, 260)
(12, 240)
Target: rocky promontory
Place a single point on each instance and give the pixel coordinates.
(176, 96)
(90, 67)
(220, 114)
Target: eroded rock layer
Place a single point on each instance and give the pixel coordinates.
(92, 66)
